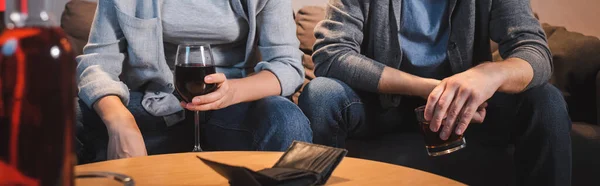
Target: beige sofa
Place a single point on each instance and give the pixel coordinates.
(577, 67)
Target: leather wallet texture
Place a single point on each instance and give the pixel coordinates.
(302, 164)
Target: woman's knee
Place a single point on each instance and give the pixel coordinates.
(281, 112)
(280, 121)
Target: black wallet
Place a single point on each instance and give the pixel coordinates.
(302, 164)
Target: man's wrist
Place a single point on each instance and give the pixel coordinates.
(495, 72)
(426, 86)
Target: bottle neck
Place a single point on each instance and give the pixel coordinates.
(29, 13)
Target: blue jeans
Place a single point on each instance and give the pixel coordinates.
(535, 121)
(269, 124)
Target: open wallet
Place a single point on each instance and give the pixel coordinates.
(302, 164)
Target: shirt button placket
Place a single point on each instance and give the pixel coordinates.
(455, 63)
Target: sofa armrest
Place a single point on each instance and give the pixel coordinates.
(76, 21)
(576, 60)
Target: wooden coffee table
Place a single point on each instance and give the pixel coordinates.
(186, 169)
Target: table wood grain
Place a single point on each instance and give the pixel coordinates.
(186, 169)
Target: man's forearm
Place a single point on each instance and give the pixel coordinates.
(514, 74)
(394, 81)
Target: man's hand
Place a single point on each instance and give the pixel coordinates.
(223, 97)
(460, 100)
(124, 137)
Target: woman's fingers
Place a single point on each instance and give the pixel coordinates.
(216, 78)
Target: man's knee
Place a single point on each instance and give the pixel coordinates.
(545, 98)
(322, 92)
(547, 107)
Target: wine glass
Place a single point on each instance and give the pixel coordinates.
(192, 64)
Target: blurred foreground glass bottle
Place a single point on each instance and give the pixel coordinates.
(37, 91)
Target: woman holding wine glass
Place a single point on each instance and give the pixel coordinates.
(128, 105)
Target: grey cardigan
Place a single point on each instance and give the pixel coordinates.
(359, 37)
(125, 51)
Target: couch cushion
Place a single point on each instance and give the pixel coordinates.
(576, 60)
(586, 150)
(309, 74)
(299, 4)
(76, 21)
(306, 20)
(576, 64)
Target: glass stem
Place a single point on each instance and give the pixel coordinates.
(197, 131)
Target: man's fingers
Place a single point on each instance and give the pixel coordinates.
(441, 107)
(466, 116)
(479, 116)
(435, 94)
(453, 113)
(483, 105)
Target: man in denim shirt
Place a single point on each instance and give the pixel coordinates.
(380, 59)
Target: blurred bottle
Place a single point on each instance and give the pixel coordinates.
(2, 9)
(37, 94)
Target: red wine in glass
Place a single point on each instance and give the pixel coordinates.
(189, 80)
(192, 64)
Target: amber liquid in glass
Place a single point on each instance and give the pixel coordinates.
(433, 140)
(434, 144)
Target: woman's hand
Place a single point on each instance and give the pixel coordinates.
(124, 137)
(223, 97)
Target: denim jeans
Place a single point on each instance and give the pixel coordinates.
(269, 124)
(535, 121)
